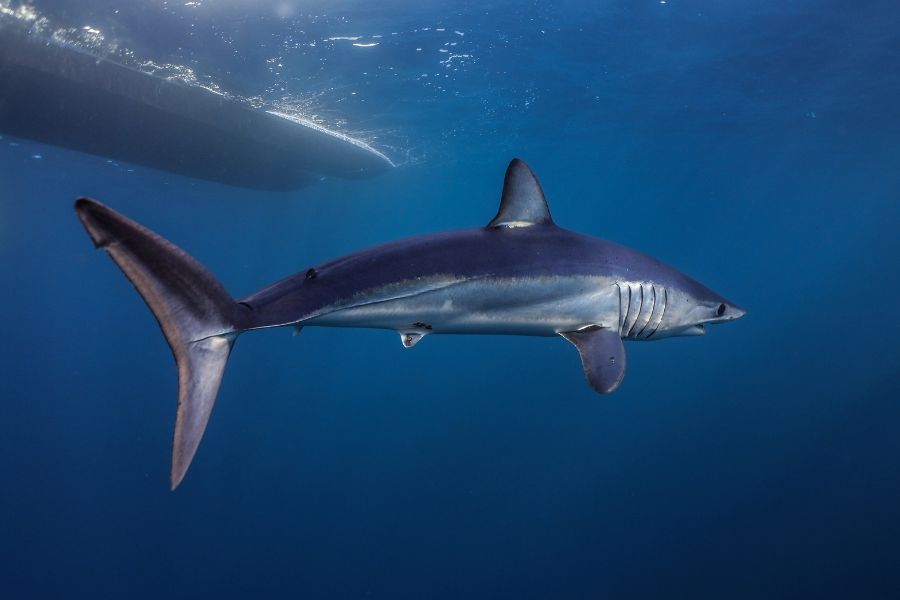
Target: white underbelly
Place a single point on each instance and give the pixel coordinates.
(522, 306)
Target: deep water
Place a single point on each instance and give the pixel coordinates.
(754, 145)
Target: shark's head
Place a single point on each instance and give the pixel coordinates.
(692, 306)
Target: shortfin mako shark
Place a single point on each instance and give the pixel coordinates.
(521, 274)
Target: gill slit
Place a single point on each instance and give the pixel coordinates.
(638, 315)
(662, 313)
(624, 315)
(650, 309)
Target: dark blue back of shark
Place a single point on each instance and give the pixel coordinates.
(534, 251)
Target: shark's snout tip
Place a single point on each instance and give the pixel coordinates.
(737, 312)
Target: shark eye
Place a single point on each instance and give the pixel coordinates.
(721, 310)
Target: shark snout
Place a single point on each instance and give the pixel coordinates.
(727, 312)
(733, 312)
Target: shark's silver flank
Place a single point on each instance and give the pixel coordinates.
(521, 274)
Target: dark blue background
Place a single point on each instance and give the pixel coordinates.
(753, 145)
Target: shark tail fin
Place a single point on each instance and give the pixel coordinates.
(197, 315)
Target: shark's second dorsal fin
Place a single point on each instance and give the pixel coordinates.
(523, 203)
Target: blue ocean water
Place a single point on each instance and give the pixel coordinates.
(753, 145)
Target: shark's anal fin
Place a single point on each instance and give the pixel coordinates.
(523, 203)
(602, 355)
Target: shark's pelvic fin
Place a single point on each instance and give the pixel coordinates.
(411, 338)
(523, 203)
(602, 356)
(197, 316)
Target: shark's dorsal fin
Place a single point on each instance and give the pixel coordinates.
(523, 203)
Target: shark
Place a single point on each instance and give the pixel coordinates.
(521, 274)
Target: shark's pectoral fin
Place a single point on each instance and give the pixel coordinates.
(523, 203)
(602, 355)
